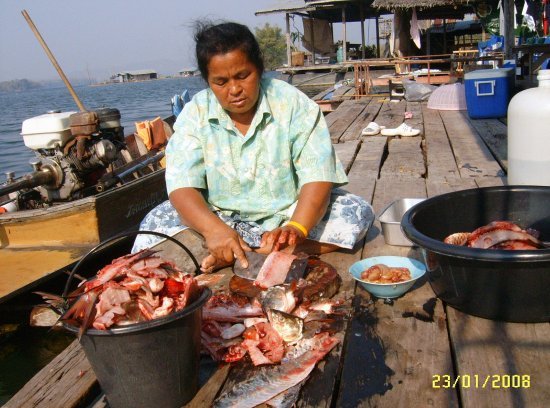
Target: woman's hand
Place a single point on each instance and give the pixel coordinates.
(226, 246)
(281, 237)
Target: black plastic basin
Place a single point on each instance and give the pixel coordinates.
(504, 285)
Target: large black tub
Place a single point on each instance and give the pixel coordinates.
(504, 285)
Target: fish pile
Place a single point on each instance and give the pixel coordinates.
(131, 289)
(497, 235)
(283, 329)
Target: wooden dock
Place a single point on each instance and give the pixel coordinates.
(416, 352)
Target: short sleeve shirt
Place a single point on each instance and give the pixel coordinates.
(259, 175)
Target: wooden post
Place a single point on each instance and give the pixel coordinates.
(377, 36)
(288, 50)
(508, 31)
(313, 39)
(444, 36)
(362, 18)
(344, 45)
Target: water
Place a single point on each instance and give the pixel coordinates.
(136, 101)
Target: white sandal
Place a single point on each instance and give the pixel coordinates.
(401, 130)
(372, 129)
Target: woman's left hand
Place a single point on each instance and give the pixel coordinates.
(282, 237)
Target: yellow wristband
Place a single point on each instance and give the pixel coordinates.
(302, 229)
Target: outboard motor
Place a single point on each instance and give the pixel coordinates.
(73, 150)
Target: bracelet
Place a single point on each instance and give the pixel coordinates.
(302, 229)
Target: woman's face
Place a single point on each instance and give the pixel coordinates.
(235, 81)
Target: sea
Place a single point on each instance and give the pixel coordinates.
(136, 101)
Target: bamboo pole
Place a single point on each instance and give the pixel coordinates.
(53, 60)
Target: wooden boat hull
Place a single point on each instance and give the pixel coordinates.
(35, 244)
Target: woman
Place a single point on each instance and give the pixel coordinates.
(250, 165)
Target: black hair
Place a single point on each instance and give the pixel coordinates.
(213, 39)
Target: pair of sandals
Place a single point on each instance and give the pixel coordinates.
(402, 130)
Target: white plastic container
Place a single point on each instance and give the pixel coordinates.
(529, 135)
(47, 131)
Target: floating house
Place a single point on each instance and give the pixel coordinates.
(187, 72)
(135, 76)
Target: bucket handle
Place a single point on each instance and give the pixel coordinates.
(125, 235)
(489, 93)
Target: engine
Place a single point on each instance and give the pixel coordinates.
(73, 150)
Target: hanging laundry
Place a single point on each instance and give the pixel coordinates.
(415, 30)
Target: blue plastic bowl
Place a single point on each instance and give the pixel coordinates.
(388, 290)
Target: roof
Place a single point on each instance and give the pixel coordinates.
(393, 4)
(139, 72)
(286, 6)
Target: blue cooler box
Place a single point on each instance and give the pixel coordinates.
(488, 92)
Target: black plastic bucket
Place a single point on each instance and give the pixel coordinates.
(149, 364)
(495, 284)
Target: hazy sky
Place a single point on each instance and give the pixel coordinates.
(98, 38)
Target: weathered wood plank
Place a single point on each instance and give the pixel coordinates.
(472, 155)
(339, 120)
(362, 176)
(494, 134)
(440, 160)
(391, 114)
(346, 153)
(490, 350)
(369, 113)
(405, 158)
(67, 381)
(442, 186)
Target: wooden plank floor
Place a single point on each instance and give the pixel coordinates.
(391, 353)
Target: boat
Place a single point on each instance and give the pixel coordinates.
(89, 183)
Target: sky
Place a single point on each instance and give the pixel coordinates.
(93, 40)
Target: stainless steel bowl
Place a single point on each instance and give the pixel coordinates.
(390, 219)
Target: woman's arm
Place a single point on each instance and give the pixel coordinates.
(222, 242)
(311, 207)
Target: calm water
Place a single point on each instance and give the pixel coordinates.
(135, 101)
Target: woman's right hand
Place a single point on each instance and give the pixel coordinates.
(226, 245)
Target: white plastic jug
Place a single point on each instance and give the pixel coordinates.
(529, 134)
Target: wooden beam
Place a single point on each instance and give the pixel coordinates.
(344, 41)
(288, 50)
(508, 29)
(362, 18)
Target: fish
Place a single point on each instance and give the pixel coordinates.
(269, 381)
(288, 326)
(287, 398)
(274, 270)
(279, 298)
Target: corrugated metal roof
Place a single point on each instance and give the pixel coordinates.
(286, 6)
(393, 4)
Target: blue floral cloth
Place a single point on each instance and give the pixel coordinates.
(346, 222)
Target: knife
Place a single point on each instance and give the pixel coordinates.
(256, 260)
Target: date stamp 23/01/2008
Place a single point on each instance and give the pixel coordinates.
(492, 381)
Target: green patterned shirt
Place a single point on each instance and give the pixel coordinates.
(257, 176)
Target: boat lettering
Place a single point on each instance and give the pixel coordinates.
(151, 201)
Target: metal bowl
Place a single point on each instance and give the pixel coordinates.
(390, 220)
(387, 290)
(495, 284)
